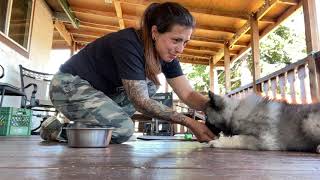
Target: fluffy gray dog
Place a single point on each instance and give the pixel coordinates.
(257, 123)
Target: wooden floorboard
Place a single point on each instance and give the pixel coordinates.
(29, 158)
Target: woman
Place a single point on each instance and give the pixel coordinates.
(112, 77)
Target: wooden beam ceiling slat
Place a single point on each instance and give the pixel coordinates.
(290, 2)
(268, 29)
(77, 9)
(86, 33)
(66, 8)
(238, 15)
(197, 54)
(265, 8)
(117, 6)
(100, 27)
(83, 40)
(214, 40)
(109, 14)
(245, 28)
(216, 28)
(60, 27)
(193, 56)
(201, 48)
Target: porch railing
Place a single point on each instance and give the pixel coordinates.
(295, 83)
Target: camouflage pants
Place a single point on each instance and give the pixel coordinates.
(76, 99)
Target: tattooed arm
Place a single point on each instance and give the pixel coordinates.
(137, 91)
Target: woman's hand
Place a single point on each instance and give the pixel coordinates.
(200, 130)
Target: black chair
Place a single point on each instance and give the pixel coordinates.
(8, 89)
(160, 127)
(36, 85)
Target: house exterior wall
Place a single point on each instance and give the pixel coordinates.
(40, 47)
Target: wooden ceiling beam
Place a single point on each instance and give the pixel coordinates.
(269, 20)
(264, 9)
(203, 56)
(201, 48)
(269, 4)
(59, 46)
(216, 28)
(191, 60)
(101, 27)
(134, 18)
(241, 44)
(269, 28)
(83, 40)
(245, 28)
(230, 14)
(60, 27)
(201, 11)
(199, 52)
(86, 33)
(109, 14)
(214, 40)
(194, 56)
(82, 10)
(117, 6)
(289, 2)
(66, 8)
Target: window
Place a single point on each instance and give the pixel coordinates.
(15, 20)
(3, 14)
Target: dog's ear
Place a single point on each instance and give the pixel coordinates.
(216, 101)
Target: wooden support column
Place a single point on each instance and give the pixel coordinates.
(255, 51)
(313, 44)
(314, 76)
(211, 76)
(311, 27)
(227, 68)
(73, 48)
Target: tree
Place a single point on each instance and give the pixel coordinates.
(199, 76)
(279, 48)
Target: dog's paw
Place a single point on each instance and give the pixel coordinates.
(215, 143)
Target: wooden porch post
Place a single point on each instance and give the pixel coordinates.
(211, 76)
(255, 51)
(313, 44)
(311, 27)
(73, 48)
(227, 68)
(314, 76)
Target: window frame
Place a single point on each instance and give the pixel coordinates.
(4, 36)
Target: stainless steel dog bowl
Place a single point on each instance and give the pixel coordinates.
(89, 137)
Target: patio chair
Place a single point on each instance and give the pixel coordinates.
(36, 85)
(160, 127)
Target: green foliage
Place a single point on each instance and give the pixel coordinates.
(273, 50)
(199, 76)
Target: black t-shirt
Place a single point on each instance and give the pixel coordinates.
(107, 60)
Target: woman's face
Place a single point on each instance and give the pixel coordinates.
(170, 44)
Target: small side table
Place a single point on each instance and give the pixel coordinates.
(9, 90)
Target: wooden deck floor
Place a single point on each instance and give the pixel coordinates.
(29, 158)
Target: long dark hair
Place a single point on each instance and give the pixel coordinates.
(164, 16)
